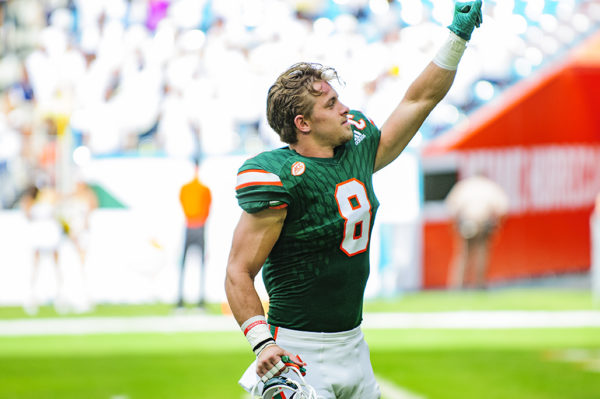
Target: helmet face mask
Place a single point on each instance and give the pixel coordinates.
(286, 387)
(279, 388)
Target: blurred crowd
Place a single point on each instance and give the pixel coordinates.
(83, 79)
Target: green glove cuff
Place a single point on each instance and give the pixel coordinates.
(467, 17)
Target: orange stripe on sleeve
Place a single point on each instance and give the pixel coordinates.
(279, 206)
(257, 177)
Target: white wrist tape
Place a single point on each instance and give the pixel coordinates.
(257, 333)
(451, 52)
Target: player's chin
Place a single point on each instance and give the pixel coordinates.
(346, 137)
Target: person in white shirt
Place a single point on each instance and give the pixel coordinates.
(478, 206)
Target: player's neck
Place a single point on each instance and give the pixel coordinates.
(311, 149)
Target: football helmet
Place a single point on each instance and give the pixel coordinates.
(291, 386)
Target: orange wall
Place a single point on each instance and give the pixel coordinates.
(525, 246)
(559, 107)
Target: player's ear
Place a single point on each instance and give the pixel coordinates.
(302, 124)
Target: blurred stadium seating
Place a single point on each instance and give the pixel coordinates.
(115, 84)
(162, 68)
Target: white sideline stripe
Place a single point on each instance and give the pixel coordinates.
(196, 323)
(116, 325)
(484, 319)
(389, 390)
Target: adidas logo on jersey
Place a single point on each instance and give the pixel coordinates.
(358, 137)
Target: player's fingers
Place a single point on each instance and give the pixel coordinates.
(478, 12)
(476, 17)
(288, 357)
(273, 371)
(300, 360)
(279, 365)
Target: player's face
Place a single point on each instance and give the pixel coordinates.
(329, 119)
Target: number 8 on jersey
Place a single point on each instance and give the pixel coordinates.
(355, 208)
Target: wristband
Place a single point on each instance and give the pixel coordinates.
(257, 333)
(451, 52)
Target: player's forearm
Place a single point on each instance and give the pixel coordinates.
(404, 122)
(242, 296)
(430, 87)
(247, 309)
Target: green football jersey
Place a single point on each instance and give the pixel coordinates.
(317, 270)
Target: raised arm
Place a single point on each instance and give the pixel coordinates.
(406, 119)
(429, 88)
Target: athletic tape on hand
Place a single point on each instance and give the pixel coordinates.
(274, 370)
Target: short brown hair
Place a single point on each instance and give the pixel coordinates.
(287, 97)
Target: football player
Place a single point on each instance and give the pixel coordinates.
(308, 211)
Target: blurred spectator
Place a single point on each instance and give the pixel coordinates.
(10, 149)
(477, 206)
(75, 211)
(16, 126)
(39, 205)
(195, 200)
(157, 10)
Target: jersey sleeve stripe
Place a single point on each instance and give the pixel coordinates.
(279, 206)
(256, 177)
(258, 184)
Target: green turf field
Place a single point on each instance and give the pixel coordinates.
(432, 363)
(498, 299)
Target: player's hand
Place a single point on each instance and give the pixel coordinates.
(467, 17)
(269, 362)
(295, 362)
